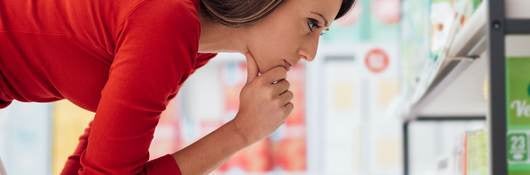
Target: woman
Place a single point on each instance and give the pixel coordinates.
(125, 59)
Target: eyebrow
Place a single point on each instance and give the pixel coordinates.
(322, 16)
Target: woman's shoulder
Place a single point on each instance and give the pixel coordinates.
(162, 18)
(173, 8)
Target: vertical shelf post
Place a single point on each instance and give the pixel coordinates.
(497, 94)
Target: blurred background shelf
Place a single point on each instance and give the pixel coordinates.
(465, 82)
(458, 91)
(454, 84)
(470, 40)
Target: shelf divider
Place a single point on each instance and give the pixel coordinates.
(517, 26)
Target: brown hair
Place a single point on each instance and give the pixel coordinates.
(239, 12)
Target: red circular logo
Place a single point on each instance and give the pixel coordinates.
(376, 60)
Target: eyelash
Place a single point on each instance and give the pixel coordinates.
(313, 25)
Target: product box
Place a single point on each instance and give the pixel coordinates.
(476, 153)
(518, 115)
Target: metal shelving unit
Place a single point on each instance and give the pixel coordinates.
(500, 25)
(479, 49)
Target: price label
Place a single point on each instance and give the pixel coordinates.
(517, 147)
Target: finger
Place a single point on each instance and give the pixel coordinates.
(275, 74)
(288, 108)
(252, 68)
(280, 87)
(286, 98)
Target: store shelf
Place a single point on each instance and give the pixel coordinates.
(454, 85)
(457, 92)
(471, 39)
(459, 88)
(469, 80)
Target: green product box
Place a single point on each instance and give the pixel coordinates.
(518, 115)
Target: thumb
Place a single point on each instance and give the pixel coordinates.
(252, 68)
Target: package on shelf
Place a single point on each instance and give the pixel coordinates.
(452, 162)
(447, 18)
(476, 146)
(518, 111)
(443, 15)
(469, 155)
(464, 9)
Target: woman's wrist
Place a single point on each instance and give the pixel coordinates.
(240, 134)
(212, 150)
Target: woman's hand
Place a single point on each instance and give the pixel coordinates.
(264, 105)
(265, 102)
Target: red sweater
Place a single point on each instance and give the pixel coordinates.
(122, 59)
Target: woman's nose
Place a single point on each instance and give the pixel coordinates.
(309, 49)
(306, 55)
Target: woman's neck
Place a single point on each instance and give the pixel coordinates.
(216, 38)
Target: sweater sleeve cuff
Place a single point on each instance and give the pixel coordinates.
(163, 165)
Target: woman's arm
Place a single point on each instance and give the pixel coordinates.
(155, 47)
(263, 108)
(211, 151)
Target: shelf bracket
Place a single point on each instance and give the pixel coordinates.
(517, 26)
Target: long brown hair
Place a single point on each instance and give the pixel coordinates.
(239, 12)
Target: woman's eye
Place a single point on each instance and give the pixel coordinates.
(324, 32)
(312, 24)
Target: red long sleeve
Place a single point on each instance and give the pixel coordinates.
(162, 165)
(146, 70)
(122, 59)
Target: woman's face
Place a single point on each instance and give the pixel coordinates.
(290, 33)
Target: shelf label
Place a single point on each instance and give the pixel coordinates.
(517, 147)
